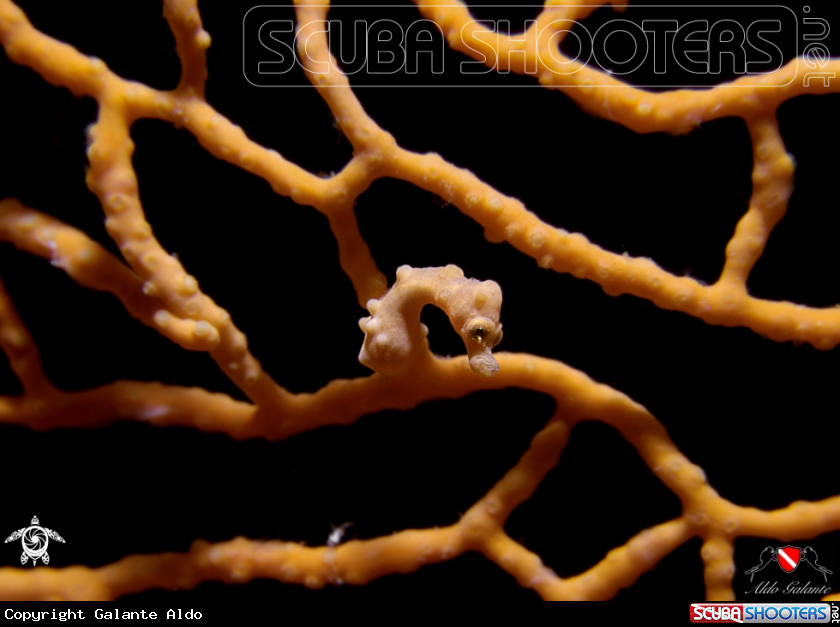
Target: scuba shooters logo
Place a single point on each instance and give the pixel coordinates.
(786, 613)
(789, 559)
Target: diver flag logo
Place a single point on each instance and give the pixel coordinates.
(788, 557)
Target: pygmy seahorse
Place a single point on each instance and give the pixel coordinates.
(395, 338)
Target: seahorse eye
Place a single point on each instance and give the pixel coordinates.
(480, 330)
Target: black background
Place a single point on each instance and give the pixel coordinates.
(758, 416)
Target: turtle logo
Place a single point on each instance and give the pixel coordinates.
(35, 540)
